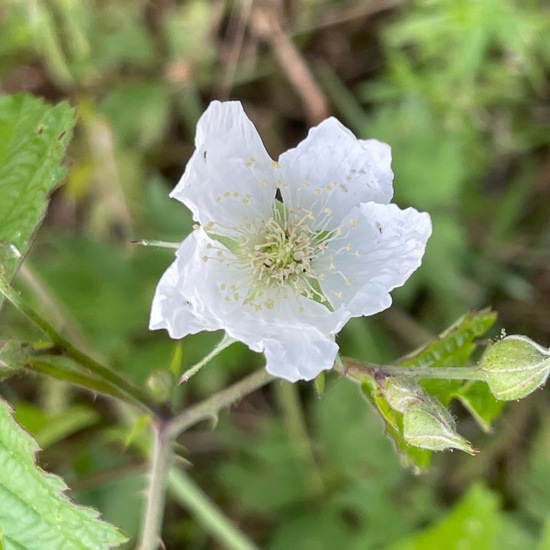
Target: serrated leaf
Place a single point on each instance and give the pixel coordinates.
(33, 138)
(35, 514)
(453, 347)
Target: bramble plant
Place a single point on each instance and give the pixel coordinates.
(283, 254)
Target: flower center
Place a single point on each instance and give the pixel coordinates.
(283, 253)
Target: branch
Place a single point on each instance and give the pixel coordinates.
(211, 406)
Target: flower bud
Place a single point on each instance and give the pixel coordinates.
(160, 384)
(515, 366)
(431, 426)
(426, 422)
(402, 393)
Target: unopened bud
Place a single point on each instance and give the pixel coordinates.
(160, 383)
(431, 426)
(426, 422)
(515, 366)
(402, 393)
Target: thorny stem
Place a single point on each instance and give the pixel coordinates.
(153, 512)
(165, 434)
(117, 382)
(210, 407)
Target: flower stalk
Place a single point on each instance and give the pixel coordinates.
(225, 342)
(354, 368)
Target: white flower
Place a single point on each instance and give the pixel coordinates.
(284, 276)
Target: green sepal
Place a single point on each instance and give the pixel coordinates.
(231, 244)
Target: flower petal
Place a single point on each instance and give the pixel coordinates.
(230, 177)
(332, 169)
(299, 355)
(380, 247)
(171, 308)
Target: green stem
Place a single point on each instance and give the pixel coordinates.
(225, 342)
(352, 366)
(210, 407)
(67, 375)
(153, 512)
(193, 499)
(113, 379)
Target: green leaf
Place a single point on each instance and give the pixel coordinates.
(33, 138)
(480, 403)
(35, 514)
(473, 523)
(453, 347)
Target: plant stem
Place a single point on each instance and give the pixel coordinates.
(80, 379)
(153, 513)
(225, 342)
(165, 433)
(352, 366)
(210, 407)
(193, 499)
(135, 394)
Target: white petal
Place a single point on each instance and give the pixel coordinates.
(299, 355)
(213, 281)
(381, 246)
(283, 308)
(171, 308)
(230, 177)
(332, 169)
(382, 154)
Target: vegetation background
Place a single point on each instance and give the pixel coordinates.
(459, 88)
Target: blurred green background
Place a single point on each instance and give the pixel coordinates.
(460, 89)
